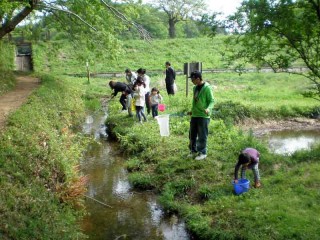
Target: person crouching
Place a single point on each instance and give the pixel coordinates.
(248, 159)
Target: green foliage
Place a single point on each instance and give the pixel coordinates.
(177, 11)
(38, 156)
(231, 112)
(276, 34)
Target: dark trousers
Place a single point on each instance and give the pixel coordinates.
(198, 134)
(170, 88)
(148, 105)
(154, 109)
(123, 102)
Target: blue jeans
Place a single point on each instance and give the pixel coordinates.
(255, 170)
(198, 134)
(140, 113)
(154, 109)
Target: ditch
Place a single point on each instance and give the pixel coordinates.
(115, 210)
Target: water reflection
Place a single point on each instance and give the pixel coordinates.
(131, 215)
(287, 142)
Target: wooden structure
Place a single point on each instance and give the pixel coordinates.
(24, 57)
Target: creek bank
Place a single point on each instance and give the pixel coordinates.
(261, 128)
(128, 213)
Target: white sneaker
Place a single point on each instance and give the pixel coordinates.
(201, 156)
(192, 155)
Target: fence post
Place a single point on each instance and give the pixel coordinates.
(88, 72)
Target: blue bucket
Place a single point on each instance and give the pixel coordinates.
(242, 186)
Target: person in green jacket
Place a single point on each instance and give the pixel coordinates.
(202, 105)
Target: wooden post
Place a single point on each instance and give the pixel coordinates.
(88, 72)
(187, 86)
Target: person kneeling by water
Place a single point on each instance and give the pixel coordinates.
(248, 159)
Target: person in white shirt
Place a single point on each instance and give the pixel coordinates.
(139, 96)
(146, 79)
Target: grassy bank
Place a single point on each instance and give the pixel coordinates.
(7, 80)
(286, 207)
(261, 96)
(133, 54)
(40, 193)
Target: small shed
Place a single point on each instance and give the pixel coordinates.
(24, 57)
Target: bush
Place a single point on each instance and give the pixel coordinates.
(231, 112)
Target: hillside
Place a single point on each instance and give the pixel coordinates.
(133, 54)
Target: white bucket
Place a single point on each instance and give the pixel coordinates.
(163, 121)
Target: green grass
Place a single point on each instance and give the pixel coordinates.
(7, 79)
(201, 192)
(134, 54)
(261, 96)
(40, 194)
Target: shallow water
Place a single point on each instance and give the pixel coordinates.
(128, 214)
(287, 142)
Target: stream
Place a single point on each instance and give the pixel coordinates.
(116, 211)
(286, 142)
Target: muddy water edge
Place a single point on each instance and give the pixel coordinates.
(115, 210)
(287, 136)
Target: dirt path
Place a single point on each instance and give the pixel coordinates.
(12, 100)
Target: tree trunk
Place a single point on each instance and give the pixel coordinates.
(10, 25)
(172, 28)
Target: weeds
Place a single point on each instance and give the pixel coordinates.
(40, 188)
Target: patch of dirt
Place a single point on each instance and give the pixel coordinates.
(13, 99)
(294, 124)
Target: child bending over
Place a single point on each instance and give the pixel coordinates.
(248, 159)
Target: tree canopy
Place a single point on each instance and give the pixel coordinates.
(180, 10)
(278, 34)
(90, 24)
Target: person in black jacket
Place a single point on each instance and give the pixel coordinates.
(170, 78)
(119, 87)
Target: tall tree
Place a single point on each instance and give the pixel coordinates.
(180, 10)
(90, 24)
(81, 15)
(13, 12)
(278, 34)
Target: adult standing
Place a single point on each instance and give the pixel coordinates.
(131, 77)
(202, 105)
(170, 78)
(119, 87)
(146, 79)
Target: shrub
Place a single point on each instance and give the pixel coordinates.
(231, 112)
